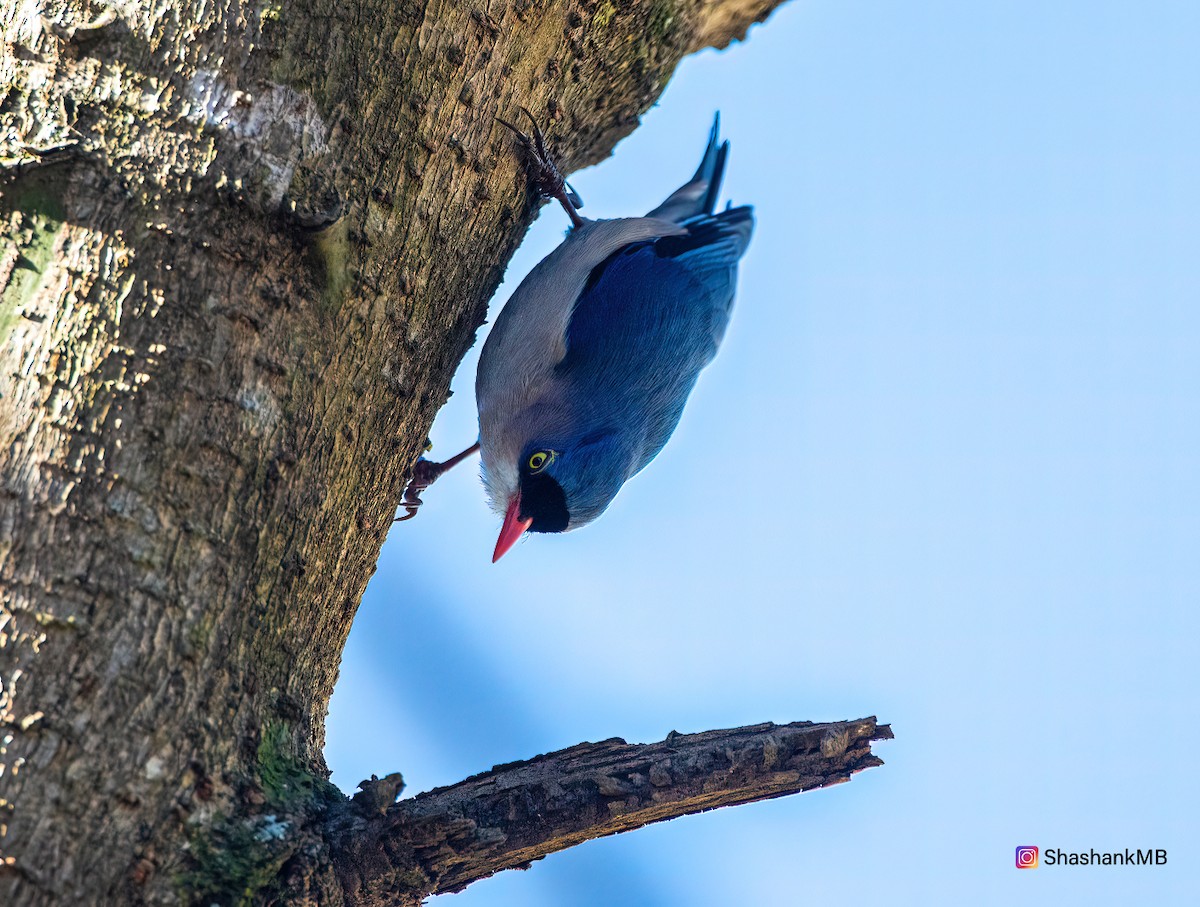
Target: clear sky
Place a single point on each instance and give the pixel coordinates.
(945, 470)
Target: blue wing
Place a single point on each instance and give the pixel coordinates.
(650, 317)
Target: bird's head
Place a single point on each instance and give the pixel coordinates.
(562, 485)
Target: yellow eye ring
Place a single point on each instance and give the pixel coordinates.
(539, 460)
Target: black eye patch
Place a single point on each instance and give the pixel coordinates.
(543, 499)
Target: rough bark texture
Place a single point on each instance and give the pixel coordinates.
(244, 247)
(505, 818)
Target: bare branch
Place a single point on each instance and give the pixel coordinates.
(517, 813)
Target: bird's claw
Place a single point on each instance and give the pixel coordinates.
(547, 179)
(410, 508)
(425, 473)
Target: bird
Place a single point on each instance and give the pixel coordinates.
(586, 371)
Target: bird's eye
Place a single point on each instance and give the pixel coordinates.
(539, 460)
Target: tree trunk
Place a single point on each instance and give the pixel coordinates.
(245, 247)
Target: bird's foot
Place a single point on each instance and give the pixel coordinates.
(547, 179)
(425, 473)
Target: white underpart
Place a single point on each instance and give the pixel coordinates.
(501, 479)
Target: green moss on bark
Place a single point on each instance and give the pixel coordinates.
(234, 861)
(33, 213)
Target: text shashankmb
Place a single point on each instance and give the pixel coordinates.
(1030, 857)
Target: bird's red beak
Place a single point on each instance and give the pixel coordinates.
(514, 527)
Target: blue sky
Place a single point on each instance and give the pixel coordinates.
(944, 470)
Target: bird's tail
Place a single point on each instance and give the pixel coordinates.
(699, 194)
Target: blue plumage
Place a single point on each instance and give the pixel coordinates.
(650, 318)
(588, 367)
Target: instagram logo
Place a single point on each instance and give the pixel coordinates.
(1027, 857)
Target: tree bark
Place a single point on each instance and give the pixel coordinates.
(245, 246)
(514, 814)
